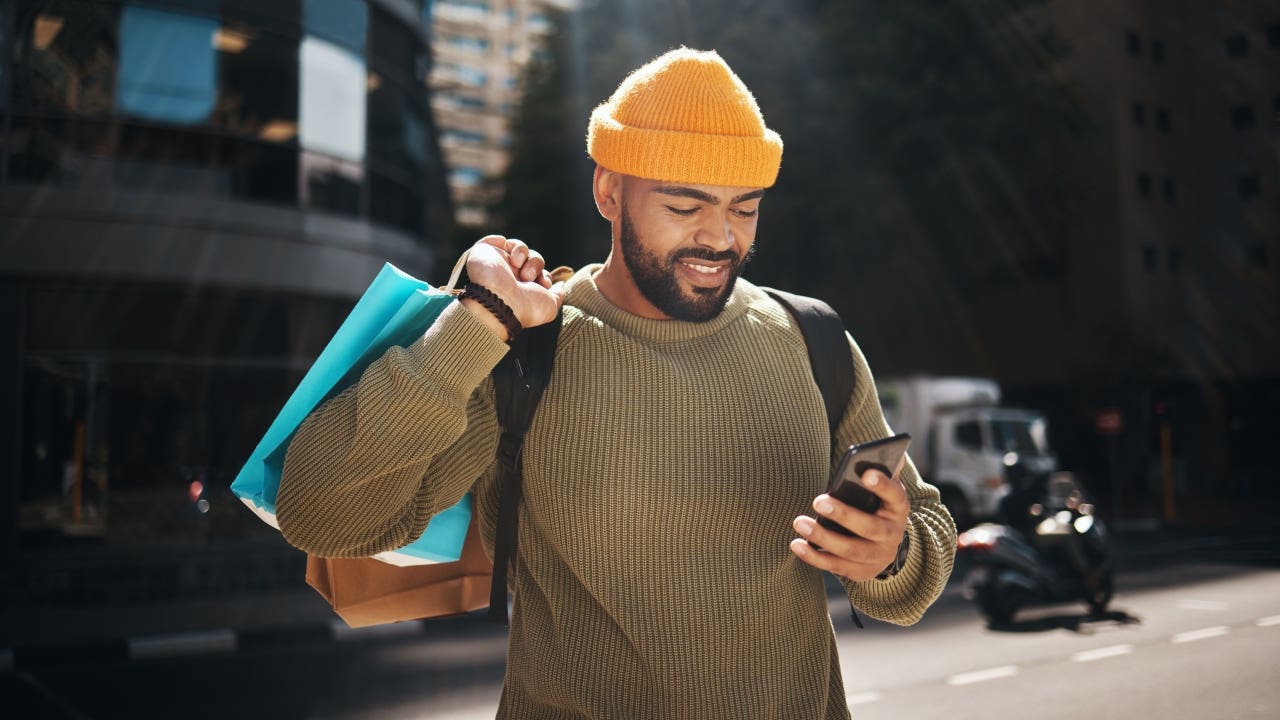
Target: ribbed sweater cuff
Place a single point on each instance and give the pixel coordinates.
(458, 350)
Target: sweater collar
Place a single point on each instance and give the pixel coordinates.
(582, 293)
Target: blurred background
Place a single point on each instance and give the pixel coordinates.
(1076, 201)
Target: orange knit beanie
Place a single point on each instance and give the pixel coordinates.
(685, 117)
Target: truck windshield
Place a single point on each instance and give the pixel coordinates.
(1021, 436)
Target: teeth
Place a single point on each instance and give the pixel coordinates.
(704, 269)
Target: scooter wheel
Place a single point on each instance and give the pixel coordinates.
(1102, 595)
(996, 609)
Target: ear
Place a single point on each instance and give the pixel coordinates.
(606, 186)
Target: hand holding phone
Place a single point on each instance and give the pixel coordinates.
(887, 455)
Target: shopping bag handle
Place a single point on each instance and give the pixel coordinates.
(457, 272)
(559, 274)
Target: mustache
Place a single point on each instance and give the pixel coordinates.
(711, 256)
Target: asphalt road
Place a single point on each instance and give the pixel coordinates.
(1192, 634)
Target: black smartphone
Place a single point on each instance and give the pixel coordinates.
(887, 455)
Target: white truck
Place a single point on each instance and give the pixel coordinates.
(963, 439)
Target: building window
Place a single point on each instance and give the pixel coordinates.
(1144, 184)
(1242, 117)
(465, 136)
(1162, 119)
(1237, 46)
(466, 177)
(1134, 43)
(1170, 191)
(1149, 257)
(469, 44)
(1248, 186)
(168, 66)
(1157, 51)
(1139, 114)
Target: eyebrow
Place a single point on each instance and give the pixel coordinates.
(695, 194)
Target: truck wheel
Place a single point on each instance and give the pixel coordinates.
(958, 506)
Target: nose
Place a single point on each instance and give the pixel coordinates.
(716, 232)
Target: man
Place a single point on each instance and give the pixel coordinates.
(680, 447)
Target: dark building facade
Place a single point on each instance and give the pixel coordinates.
(192, 195)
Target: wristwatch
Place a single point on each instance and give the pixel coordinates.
(896, 566)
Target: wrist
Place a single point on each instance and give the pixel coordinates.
(899, 559)
(491, 310)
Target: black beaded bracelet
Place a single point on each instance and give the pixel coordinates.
(494, 304)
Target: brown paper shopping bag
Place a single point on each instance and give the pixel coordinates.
(364, 591)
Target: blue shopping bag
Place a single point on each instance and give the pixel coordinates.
(396, 309)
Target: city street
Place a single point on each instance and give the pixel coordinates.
(1186, 638)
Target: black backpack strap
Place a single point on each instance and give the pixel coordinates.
(830, 357)
(518, 382)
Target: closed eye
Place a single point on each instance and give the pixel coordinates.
(747, 214)
(682, 212)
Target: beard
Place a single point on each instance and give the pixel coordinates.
(656, 279)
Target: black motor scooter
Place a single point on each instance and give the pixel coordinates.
(1050, 548)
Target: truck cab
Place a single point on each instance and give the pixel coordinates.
(963, 440)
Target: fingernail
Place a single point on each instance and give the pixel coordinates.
(803, 527)
(824, 506)
(800, 548)
(871, 480)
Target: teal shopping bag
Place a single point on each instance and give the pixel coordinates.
(396, 309)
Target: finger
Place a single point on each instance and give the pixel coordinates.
(533, 267)
(830, 562)
(518, 253)
(892, 494)
(497, 241)
(829, 540)
(871, 527)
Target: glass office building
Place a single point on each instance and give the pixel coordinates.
(192, 195)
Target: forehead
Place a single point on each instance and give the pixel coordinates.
(712, 194)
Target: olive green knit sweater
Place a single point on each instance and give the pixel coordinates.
(661, 474)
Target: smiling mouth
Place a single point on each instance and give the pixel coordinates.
(704, 275)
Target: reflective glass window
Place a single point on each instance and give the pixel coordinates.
(395, 49)
(1020, 436)
(331, 117)
(64, 56)
(341, 22)
(393, 203)
(258, 83)
(168, 67)
(332, 184)
(138, 408)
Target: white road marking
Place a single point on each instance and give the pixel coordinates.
(1269, 621)
(194, 643)
(1204, 634)
(863, 698)
(1101, 653)
(977, 676)
(1212, 605)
